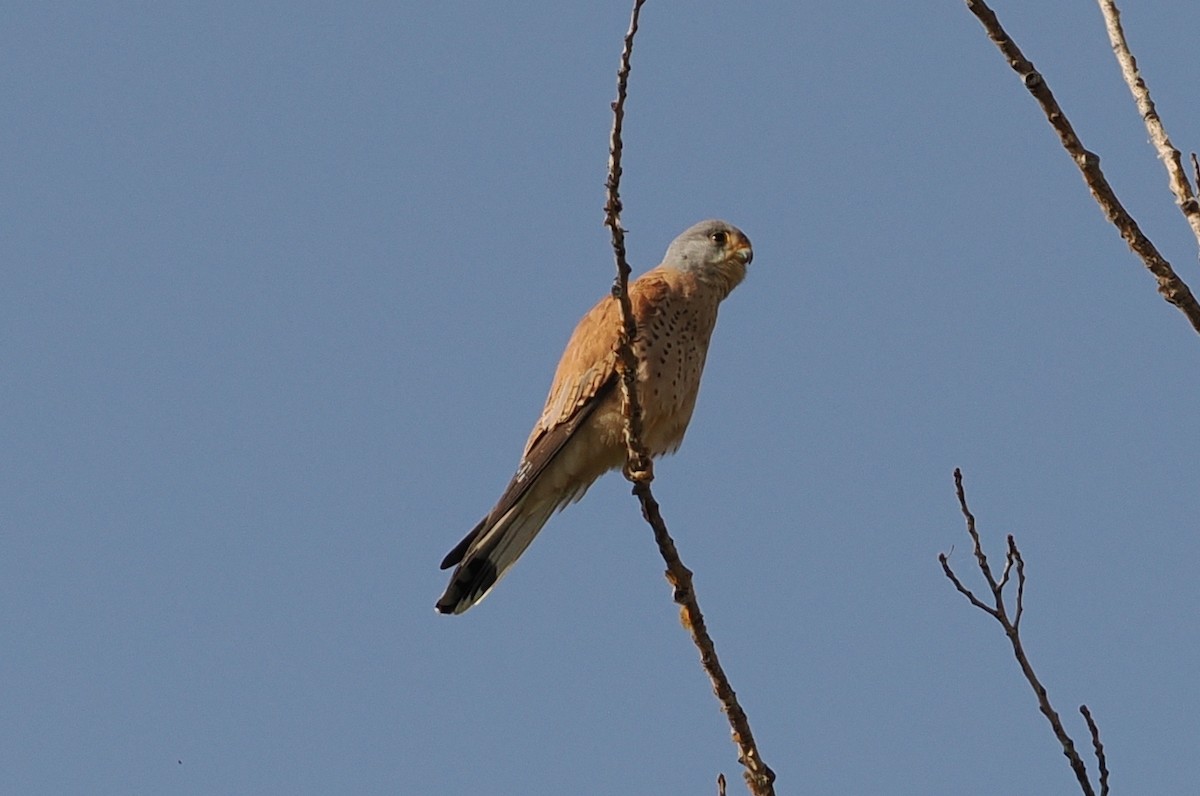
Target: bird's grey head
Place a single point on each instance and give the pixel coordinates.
(714, 250)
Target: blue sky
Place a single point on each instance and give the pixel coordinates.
(283, 289)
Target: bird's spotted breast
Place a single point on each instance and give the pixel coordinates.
(672, 347)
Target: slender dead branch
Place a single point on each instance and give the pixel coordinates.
(1170, 286)
(1098, 747)
(975, 601)
(1170, 156)
(1015, 554)
(639, 469)
(999, 612)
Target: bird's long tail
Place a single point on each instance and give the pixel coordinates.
(488, 551)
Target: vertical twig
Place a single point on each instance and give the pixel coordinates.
(1015, 555)
(1167, 152)
(638, 468)
(1173, 289)
(999, 611)
(1098, 747)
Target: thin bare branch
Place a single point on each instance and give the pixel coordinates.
(1098, 747)
(975, 601)
(999, 612)
(1195, 171)
(1015, 555)
(1170, 156)
(980, 557)
(1008, 565)
(639, 469)
(720, 785)
(1170, 286)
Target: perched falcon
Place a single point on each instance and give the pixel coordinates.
(580, 435)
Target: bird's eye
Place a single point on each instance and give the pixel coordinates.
(718, 238)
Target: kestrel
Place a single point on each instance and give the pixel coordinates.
(580, 435)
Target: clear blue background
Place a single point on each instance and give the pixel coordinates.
(282, 287)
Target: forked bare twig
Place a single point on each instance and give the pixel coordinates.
(999, 611)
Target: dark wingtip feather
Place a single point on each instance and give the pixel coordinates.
(456, 555)
(469, 583)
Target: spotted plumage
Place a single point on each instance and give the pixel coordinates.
(580, 434)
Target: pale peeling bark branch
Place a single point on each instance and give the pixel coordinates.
(1170, 156)
(639, 468)
(1170, 286)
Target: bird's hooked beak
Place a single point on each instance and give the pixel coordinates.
(742, 251)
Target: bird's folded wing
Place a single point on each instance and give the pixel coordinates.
(585, 376)
(590, 359)
(536, 459)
